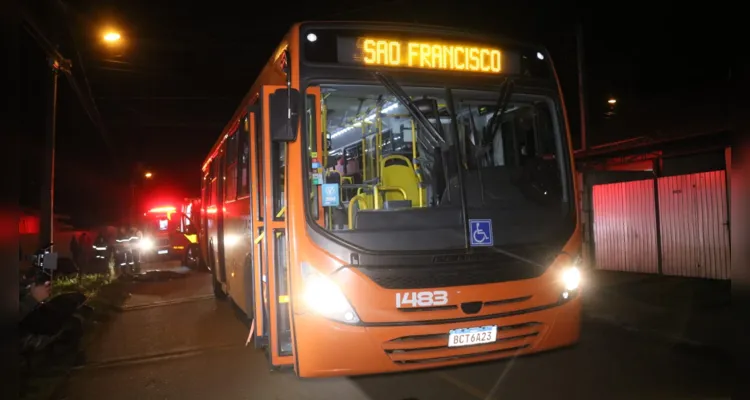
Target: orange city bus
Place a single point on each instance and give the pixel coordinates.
(394, 197)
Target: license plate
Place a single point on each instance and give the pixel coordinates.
(162, 252)
(472, 336)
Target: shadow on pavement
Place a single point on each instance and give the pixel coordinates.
(689, 311)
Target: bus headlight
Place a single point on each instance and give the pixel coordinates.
(324, 297)
(571, 278)
(146, 244)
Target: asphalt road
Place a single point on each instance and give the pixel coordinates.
(174, 341)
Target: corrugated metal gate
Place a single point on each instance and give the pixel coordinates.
(692, 228)
(625, 227)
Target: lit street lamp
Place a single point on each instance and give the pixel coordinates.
(136, 182)
(612, 103)
(112, 37)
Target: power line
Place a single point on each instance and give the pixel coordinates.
(65, 66)
(85, 76)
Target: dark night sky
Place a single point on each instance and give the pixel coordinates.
(165, 96)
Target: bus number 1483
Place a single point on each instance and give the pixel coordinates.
(422, 299)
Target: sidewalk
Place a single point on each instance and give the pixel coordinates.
(682, 310)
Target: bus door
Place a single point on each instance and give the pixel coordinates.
(259, 268)
(270, 258)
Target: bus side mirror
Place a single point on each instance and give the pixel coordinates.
(283, 114)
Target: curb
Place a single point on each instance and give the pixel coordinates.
(164, 303)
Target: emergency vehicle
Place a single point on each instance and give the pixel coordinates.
(168, 234)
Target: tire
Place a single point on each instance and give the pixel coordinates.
(218, 290)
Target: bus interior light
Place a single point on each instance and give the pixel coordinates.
(324, 297)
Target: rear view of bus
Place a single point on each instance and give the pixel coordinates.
(424, 206)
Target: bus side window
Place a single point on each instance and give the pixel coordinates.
(312, 144)
(204, 182)
(261, 189)
(219, 163)
(212, 184)
(278, 161)
(230, 184)
(243, 176)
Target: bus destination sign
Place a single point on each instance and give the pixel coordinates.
(428, 55)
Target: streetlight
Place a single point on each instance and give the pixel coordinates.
(612, 102)
(112, 37)
(148, 175)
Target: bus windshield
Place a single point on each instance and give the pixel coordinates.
(395, 179)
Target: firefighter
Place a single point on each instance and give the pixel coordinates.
(122, 253)
(135, 248)
(100, 252)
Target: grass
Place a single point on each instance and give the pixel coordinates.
(86, 284)
(105, 296)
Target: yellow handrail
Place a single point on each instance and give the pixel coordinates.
(360, 199)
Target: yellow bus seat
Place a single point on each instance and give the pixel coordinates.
(399, 172)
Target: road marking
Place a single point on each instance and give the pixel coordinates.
(477, 393)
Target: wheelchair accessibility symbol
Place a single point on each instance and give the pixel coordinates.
(481, 232)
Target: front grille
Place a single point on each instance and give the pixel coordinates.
(445, 275)
(455, 307)
(434, 348)
(162, 242)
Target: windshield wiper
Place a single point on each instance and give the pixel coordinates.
(502, 104)
(436, 141)
(434, 137)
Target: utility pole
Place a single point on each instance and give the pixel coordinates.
(47, 219)
(581, 85)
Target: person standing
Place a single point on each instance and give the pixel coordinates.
(75, 250)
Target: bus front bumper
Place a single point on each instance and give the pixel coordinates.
(326, 348)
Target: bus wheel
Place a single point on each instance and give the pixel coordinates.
(218, 290)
